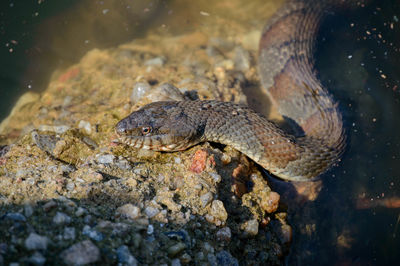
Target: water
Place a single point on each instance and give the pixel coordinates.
(353, 220)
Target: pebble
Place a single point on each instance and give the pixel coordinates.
(37, 259)
(139, 90)
(206, 199)
(105, 158)
(84, 252)
(218, 211)
(92, 233)
(150, 229)
(216, 177)
(28, 210)
(61, 218)
(251, 227)
(225, 258)
(174, 250)
(164, 92)
(57, 129)
(125, 257)
(15, 216)
(70, 186)
(157, 61)
(175, 262)
(129, 211)
(224, 234)
(49, 205)
(85, 125)
(151, 211)
(35, 241)
(69, 233)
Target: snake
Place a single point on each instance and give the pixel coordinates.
(288, 76)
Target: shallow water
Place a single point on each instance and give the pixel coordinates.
(355, 219)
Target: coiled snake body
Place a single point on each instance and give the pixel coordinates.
(287, 74)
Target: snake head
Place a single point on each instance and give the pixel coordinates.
(157, 126)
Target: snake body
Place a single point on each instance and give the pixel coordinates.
(286, 69)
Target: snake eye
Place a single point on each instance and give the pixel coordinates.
(146, 130)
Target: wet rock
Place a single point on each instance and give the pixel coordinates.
(37, 259)
(28, 210)
(84, 252)
(174, 250)
(128, 211)
(69, 233)
(61, 218)
(125, 257)
(92, 233)
(224, 234)
(139, 90)
(35, 241)
(15, 216)
(49, 205)
(225, 258)
(251, 227)
(175, 262)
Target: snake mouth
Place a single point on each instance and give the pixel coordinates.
(146, 142)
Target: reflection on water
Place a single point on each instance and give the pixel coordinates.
(356, 217)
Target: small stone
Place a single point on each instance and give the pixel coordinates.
(28, 210)
(80, 211)
(225, 258)
(37, 259)
(92, 233)
(216, 177)
(105, 158)
(151, 211)
(251, 227)
(226, 159)
(61, 218)
(84, 252)
(125, 257)
(224, 234)
(70, 186)
(139, 90)
(174, 250)
(129, 211)
(85, 125)
(175, 262)
(150, 229)
(49, 205)
(35, 241)
(157, 61)
(69, 233)
(165, 92)
(206, 199)
(218, 211)
(15, 216)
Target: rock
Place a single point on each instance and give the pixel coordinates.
(35, 241)
(225, 258)
(224, 234)
(37, 259)
(125, 257)
(157, 61)
(28, 210)
(84, 252)
(56, 129)
(105, 158)
(206, 199)
(92, 233)
(165, 92)
(61, 218)
(80, 211)
(174, 250)
(15, 216)
(150, 229)
(49, 205)
(270, 203)
(175, 262)
(129, 211)
(151, 211)
(139, 90)
(69, 233)
(251, 227)
(218, 212)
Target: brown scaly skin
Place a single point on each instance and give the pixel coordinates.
(286, 68)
